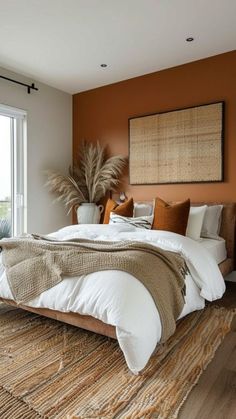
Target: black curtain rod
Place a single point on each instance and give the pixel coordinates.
(29, 87)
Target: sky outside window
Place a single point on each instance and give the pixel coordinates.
(5, 158)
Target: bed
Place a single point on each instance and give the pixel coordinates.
(105, 322)
(227, 232)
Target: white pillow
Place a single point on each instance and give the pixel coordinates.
(144, 222)
(212, 222)
(141, 210)
(195, 221)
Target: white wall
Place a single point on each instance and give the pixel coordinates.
(49, 145)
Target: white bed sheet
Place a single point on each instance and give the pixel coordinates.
(119, 299)
(216, 248)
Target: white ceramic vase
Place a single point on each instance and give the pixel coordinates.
(89, 213)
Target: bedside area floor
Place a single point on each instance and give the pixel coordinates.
(214, 396)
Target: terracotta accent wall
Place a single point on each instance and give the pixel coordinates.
(102, 114)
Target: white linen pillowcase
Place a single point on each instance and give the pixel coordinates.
(212, 222)
(144, 222)
(141, 209)
(195, 222)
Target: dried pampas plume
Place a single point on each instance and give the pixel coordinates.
(91, 177)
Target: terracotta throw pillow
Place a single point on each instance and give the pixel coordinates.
(170, 217)
(126, 209)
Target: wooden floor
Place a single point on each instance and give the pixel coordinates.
(214, 396)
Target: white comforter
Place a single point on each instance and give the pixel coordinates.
(119, 299)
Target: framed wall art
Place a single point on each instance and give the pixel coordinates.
(180, 146)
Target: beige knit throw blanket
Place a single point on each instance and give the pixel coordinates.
(36, 263)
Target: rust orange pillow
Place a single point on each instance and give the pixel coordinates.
(171, 217)
(126, 209)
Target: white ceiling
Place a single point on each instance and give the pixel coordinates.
(63, 42)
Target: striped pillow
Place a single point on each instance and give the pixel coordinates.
(126, 209)
(144, 222)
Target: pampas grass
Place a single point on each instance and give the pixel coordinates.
(90, 178)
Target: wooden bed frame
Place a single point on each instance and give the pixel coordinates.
(227, 231)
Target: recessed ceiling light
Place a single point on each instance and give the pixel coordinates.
(103, 65)
(190, 39)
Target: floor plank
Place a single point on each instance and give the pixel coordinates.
(214, 396)
(221, 400)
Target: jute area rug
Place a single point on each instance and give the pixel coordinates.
(52, 370)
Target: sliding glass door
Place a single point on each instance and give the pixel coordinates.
(12, 171)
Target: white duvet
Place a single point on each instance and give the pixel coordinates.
(119, 299)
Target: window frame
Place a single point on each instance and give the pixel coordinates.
(18, 134)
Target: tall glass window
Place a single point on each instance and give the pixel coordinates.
(5, 177)
(12, 171)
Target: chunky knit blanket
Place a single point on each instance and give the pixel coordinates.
(37, 263)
